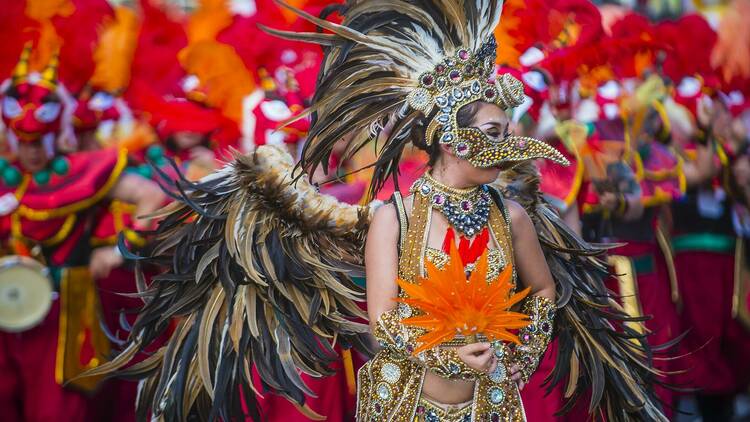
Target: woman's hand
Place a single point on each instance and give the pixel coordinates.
(517, 376)
(478, 356)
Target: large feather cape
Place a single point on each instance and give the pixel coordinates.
(259, 269)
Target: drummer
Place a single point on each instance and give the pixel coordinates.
(48, 201)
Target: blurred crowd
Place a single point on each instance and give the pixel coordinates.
(650, 102)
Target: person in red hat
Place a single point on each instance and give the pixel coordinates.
(49, 206)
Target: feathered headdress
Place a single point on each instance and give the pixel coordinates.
(409, 67)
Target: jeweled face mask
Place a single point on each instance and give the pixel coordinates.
(463, 79)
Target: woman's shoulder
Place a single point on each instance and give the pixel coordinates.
(519, 218)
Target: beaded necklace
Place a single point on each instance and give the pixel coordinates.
(467, 210)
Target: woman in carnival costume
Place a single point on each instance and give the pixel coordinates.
(260, 263)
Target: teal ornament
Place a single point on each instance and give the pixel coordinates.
(42, 177)
(155, 152)
(60, 166)
(145, 170)
(3, 164)
(11, 176)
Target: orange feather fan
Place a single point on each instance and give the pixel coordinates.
(452, 304)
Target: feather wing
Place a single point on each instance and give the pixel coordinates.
(599, 351)
(258, 272)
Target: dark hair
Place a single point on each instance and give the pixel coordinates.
(464, 118)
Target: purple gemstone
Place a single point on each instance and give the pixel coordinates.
(489, 93)
(526, 337)
(378, 408)
(463, 54)
(495, 417)
(462, 148)
(521, 144)
(468, 69)
(428, 80)
(409, 348)
(440, 68)
(438, 199)
(420, 410)
(454, 75)
(466, 205)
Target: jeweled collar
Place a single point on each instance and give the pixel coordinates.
(467, 210)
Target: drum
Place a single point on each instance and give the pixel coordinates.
(25, 293)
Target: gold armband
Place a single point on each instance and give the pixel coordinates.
(536, 336)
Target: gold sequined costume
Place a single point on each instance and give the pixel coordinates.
(390, 384)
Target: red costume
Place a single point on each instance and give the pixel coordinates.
(48, 215)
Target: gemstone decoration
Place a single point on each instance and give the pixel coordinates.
(404, 310)
(431, 416)
(399, 342)
(390, 372)
(463, 54)
(454, 75)
(462, 149)
(438, 199)
(428, 80)
(496, 395)
(499, 374)
(384, 391)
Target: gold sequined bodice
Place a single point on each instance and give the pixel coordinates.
(390, 385)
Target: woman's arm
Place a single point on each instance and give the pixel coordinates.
(534, 273)
(530, 262)
(381, 263)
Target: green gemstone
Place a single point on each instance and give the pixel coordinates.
(42, 177)
(3, 164)
(60, 165)
(11, 176)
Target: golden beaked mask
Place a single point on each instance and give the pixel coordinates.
(462, 79)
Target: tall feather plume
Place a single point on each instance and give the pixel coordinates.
(50, 42)
(115, 51)
(258, 273)
(599, 352)
(373, 61)
(219, 68)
